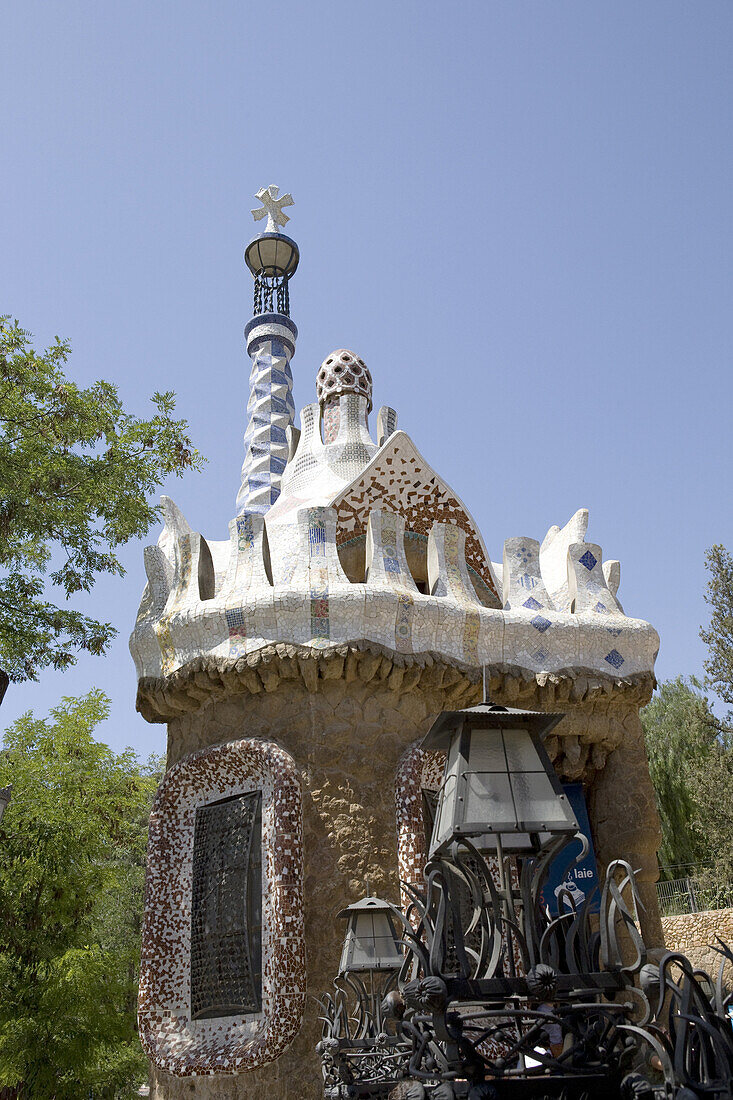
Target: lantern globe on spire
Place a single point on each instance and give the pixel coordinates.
(272, 257)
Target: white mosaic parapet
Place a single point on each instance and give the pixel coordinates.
(386, 562)
(387, 568)
(522, 585)
(447, 569)
(542, 641)
(587, 588)
(536, 637)
(249, 556)
(612, 577)
(287, 586)
(554, 557)
(367, 544)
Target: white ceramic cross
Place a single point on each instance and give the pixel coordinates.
(272, 207)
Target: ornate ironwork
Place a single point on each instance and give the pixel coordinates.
(271, 294)
(361, 1047)
(497, 998)
(226, 949)
(690, 1028)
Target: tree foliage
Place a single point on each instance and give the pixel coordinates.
(76, 470)
(719, 635)
(72, 854)
(681, 735)
(691, 752)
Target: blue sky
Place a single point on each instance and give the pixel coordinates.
(517, 213)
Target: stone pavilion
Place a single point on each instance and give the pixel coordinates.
(298, 664)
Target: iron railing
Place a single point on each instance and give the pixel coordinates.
(678, 896)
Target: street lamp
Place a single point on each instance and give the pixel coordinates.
(499, 787)
(273, 255)
(490, 975)
(372, 941)
(357, 1040)
(5, 793)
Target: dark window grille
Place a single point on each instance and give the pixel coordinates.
(226, 909)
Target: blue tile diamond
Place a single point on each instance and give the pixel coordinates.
(614, 658)
(532, 604)
(588, 560)
(540, 623)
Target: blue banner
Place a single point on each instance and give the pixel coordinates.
(581, 880)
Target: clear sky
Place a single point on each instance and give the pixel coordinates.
(518, 214)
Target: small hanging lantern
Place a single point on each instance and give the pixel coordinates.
(372, 938)
(499, 786)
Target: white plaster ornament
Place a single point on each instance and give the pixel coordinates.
(272, 208)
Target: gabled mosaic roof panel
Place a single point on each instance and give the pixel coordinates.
(399, 479)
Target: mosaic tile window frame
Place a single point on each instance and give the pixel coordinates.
(418, 770)
(176, 1043)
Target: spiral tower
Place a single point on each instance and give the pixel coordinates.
(272, 259)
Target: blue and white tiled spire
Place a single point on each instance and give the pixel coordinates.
(270, 345)
(272, 258)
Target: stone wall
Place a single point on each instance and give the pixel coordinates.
(346, 736)
(346, 721)
(692, 934)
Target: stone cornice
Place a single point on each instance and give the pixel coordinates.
(208, 679)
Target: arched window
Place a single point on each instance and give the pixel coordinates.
(222, 975)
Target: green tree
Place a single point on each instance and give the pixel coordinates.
(76, 470)
(719, 635)
(711, 787)
(72, 852)
(681, 735)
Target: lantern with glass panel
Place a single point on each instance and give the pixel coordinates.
(358, 1039)
(499, 788)
(372, 941)
(500, 796)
